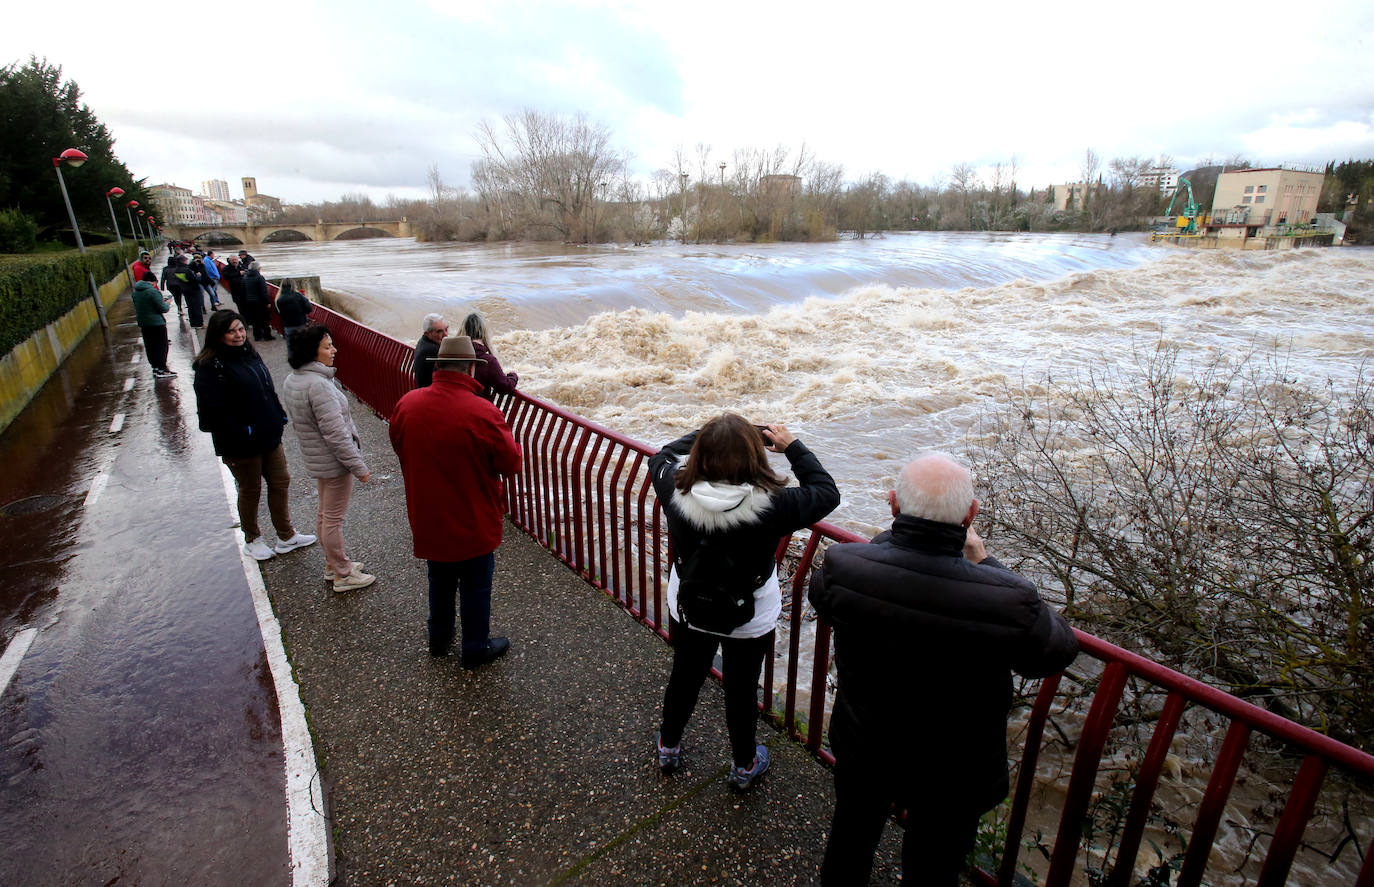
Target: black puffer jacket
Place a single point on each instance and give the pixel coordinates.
(925, 644)
(748, 521)
(237, 404)
(255, 288)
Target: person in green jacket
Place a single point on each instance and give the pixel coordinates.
(149, 306)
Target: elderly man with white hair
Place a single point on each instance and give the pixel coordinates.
(928, 630)
(432, 332)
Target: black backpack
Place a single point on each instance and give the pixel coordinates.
(715, 589)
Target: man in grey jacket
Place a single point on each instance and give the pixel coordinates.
(928, 630)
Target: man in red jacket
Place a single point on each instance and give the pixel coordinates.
(454, 447)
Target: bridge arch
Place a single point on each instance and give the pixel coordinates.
(287, 235)
(362, 232)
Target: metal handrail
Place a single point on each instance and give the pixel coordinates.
(584, 493)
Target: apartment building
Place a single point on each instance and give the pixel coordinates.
(1163, 178)
(175, 205)
(215, 189)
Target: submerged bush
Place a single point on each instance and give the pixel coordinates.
(1219, 519)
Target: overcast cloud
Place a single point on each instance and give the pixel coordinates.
(317, 99)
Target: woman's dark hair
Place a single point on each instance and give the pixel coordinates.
(216, 328)
(304, 344)
(730, 450)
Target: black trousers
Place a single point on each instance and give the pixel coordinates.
(940, 832)
(256, 316)
(155, 346)
(741, 665)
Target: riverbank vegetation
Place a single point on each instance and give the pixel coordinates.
(1218, 518)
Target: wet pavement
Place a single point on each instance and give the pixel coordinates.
(142, 743)
(142, 739)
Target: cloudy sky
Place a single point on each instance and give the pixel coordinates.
(318, 99)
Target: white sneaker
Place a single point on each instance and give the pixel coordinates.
(300, 540)
(257, 549)
(329, 574)
(353, 581)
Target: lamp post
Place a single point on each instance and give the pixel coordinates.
(129, 208)
(118, 192)
(75, 158)
(142, 227)
(722, 173)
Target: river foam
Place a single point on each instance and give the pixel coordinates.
(871, 374)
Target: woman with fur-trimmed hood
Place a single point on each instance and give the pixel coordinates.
(723, 498)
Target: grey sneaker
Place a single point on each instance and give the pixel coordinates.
(300, 540)
(258, 549)
(741, 777)
(669, 759)
(329, 574)
(354, 581)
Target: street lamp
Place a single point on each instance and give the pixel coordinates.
(118, 192)
(129, 208)
(722, 173)
(75, 158)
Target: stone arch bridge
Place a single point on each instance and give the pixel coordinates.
(319, 231)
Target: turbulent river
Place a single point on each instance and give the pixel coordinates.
(869, 350)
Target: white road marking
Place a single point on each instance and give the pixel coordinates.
(9, 663)
(97, 487)
(128, 383)
(306, 829)
(116, 423)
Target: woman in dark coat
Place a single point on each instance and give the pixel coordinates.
(238, 405)
(719, 495)
(494, 379)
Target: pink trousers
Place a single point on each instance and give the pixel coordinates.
(334, 495)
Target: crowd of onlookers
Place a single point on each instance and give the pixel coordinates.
(926, 623)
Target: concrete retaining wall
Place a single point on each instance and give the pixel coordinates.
(32, 362)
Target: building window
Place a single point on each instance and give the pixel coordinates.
(1249, 189)
(1245, 200)
(1263, 188)
(1259, 199)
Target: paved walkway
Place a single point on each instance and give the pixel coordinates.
(537, 769)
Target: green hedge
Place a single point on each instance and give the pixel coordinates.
(37, 289)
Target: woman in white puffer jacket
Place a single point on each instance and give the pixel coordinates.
(329, 445)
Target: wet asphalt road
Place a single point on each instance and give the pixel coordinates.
(141, 739)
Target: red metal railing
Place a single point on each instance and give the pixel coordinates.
(585, 494)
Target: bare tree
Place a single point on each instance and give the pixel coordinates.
(552, 165)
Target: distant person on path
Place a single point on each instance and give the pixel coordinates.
(255, 302)
(928, 630)
(454, 448)
(170, 282)
(233, 278)
(294, 309)
(494, 380)
(329, 445)
(191, 292)
(432, 332)
(149, 306)
(212, 275)
(245, 259)
(237, 404)
(727, 511)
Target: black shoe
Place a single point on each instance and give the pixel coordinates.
(496, 648)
